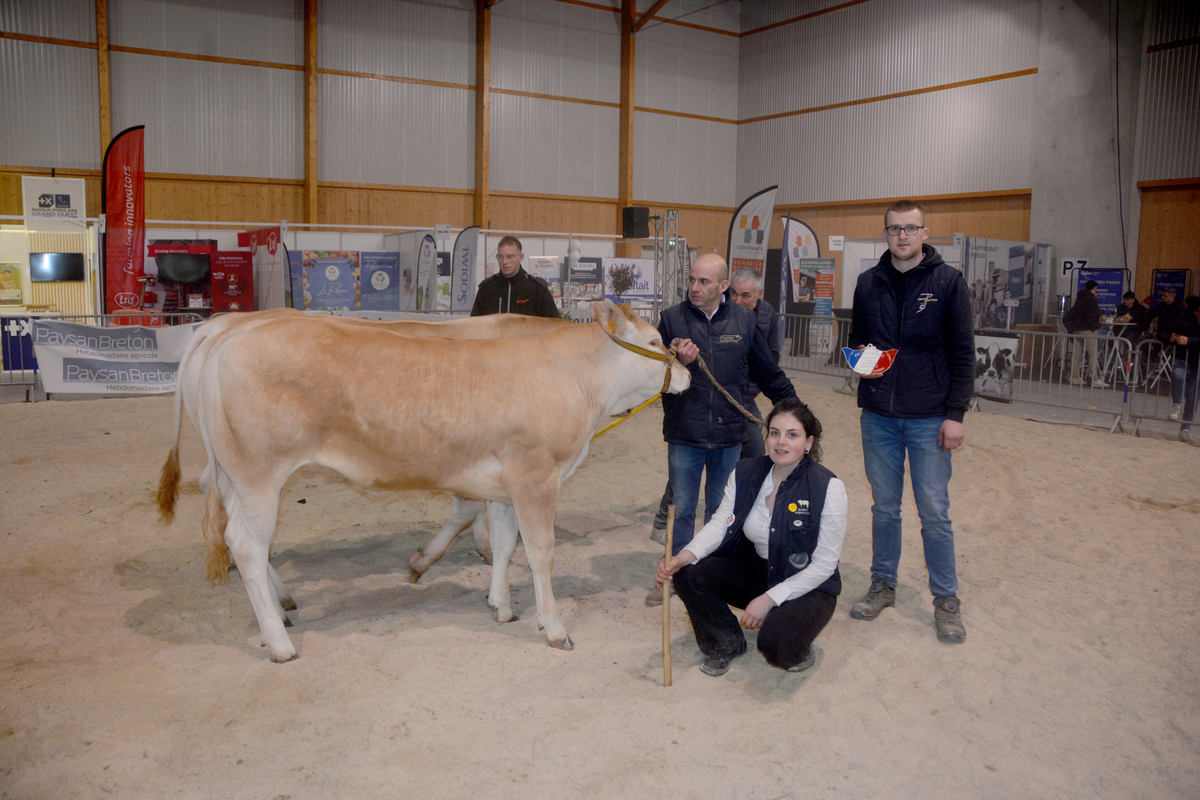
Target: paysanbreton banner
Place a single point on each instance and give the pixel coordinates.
(750, 231)
(84, 359)
(124, 205)
(462, 270)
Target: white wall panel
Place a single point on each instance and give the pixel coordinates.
(971, 139)
(724, 15)
(255, 30)
(680, 160)
(547, 47)
(1171, 21)
(49, 107)
(207, 118)
(386, 132)
(876, 49)
(1170, 135)
(553, 147)
(433, 41)
(687, 70)
(61, 19)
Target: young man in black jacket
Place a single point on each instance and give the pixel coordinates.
(1184, 333)
(916, 303)
(512, 290)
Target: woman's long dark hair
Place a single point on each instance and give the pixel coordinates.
(805, 416)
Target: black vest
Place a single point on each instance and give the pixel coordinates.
(795, 520)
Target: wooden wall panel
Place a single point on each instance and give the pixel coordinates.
(405, 207)
(10, 187)
(521, 212)
(1170, 234)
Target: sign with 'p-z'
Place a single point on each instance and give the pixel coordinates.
(1069, 264)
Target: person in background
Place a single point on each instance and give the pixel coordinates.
(704, 431)
(772, 549)
(512, 290)
(1132, 312)
(1162, 317)
(1185, 335)
(1084, 319)
(746, 289)
(914, 302)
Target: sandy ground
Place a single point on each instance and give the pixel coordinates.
(122, 674)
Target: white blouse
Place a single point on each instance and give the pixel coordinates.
(758, 527)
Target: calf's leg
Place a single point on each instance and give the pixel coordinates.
(502, 530)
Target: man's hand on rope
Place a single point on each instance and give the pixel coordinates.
(685, 351)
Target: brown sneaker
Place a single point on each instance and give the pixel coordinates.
(655, 597)
(877, 598)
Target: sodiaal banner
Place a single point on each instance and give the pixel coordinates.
(84, 359)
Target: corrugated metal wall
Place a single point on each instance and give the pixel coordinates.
(552, 146)
(61, 19)
(255, 30)
(395, 133)
(49, 107)
(688, 71)
(389, 132)
(1170, 124)
(968, 139)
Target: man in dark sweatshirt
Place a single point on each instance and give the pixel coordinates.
(914, 302)
(512, 290)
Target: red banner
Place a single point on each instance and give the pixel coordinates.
(124, 194)
(233, 282)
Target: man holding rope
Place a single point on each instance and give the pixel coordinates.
(703, 429)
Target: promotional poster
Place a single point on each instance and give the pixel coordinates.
(642, 290)
(381, 281)
(84, 359)
(124, 196)
(586, 280)
(800, 243)
(331, 280)
(463, 270)
(750, 231)
(54, 205)
(232, 282)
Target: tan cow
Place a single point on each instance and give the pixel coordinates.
(505, 420)
(466, 513)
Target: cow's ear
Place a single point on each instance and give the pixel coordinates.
(608, 316)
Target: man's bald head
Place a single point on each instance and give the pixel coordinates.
(707, 281)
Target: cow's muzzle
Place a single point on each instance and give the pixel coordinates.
(667, 358)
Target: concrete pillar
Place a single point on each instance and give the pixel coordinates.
(1084, 189)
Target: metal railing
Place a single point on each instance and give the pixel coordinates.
(19, 364)
(1129, 382)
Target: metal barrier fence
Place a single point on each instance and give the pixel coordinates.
(1129, 381)
(18, 365)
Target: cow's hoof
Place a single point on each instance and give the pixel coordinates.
(502, 618)
(284, 659)
(565, 644)
(288, 604)
(413, 575)
(287, 623)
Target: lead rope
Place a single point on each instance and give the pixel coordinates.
(728, 396)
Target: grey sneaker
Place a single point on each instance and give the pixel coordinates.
(1176, 412)
(658, 535)
(948, 620)
(877, 598)
(1185, 435)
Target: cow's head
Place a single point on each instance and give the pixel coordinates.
(621, 323)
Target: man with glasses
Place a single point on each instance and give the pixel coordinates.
(512, 290)
(916, 303)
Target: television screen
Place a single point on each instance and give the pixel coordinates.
(182, 267)
(56, 267)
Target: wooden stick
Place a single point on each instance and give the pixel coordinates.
(666, 591)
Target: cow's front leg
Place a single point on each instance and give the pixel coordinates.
(535, 517)
(465, 513)
(502, 532)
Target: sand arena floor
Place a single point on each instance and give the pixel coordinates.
(122, 674)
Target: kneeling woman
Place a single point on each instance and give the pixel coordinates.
(771, 548)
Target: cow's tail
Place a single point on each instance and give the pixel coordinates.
(217, 560)
(168, 482)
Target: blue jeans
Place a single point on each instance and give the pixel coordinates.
(685, 465)
(1184, 377)
(885, 441)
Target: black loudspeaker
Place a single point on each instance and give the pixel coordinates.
(635, 222)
